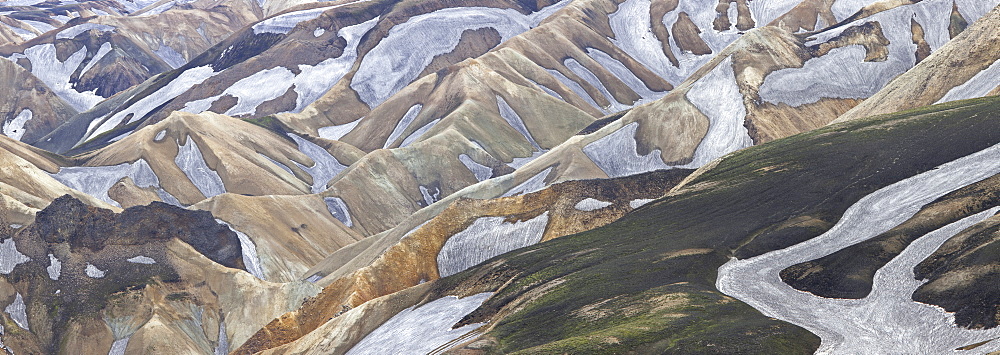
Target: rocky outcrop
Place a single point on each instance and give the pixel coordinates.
(153, 278)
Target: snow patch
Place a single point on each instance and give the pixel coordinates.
(717, 96)
(97, 180)
(141, 259)
(325, 166)
(574, 87)
(101, 52)
(21, 2)
(338, 208)
(486, 238)
(284, 23)
(419, 132)
(222, 348)
(591, 204)
(74, 31)
(617, 154)
(420, 330)
(42, 27)
(639, 42)
(633, 34)
(185, 81)
(55, 267)
(546, 89)
(515, 121)
(640, 202)
(844, 73)
(482, 172)
(314, 81)
(430, 197)
(15, 127)
(190, 160)
(875, 323)
(170, 56)
(10, 256)
(277, 163)
(56, 75)
(23, 33)
(626, 75)
(533, 184)
(589, 77)
(310, 84)
(337, 132)
(403, 123)
(977, 86)
(17, 313)
(409, 47)
(250, 259)
(257, 88)
(93, 271)
(118, 347)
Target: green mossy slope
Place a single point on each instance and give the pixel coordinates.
(645, 283)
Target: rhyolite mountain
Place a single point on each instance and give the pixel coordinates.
(499, 176)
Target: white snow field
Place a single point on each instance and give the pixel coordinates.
(888, 320)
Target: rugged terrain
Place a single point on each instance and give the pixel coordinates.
(499, 176)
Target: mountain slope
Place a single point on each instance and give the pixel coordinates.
(26, 185)
(86, 59)
(319, 46)
(450, 242)
(961, 69)
(568, 294)
(679, 128)
(31, 108)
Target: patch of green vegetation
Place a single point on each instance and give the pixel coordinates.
(270, 123)
(178, 296)
(683, 239)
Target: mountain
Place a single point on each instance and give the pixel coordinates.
(498, 176)
(572, 294)
(617, 154)
(104, 50)
(304, 48)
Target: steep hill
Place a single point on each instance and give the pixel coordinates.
(596, 290)
(499, 176)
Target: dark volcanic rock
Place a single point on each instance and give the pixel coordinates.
(80, 258)
(69, 220)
